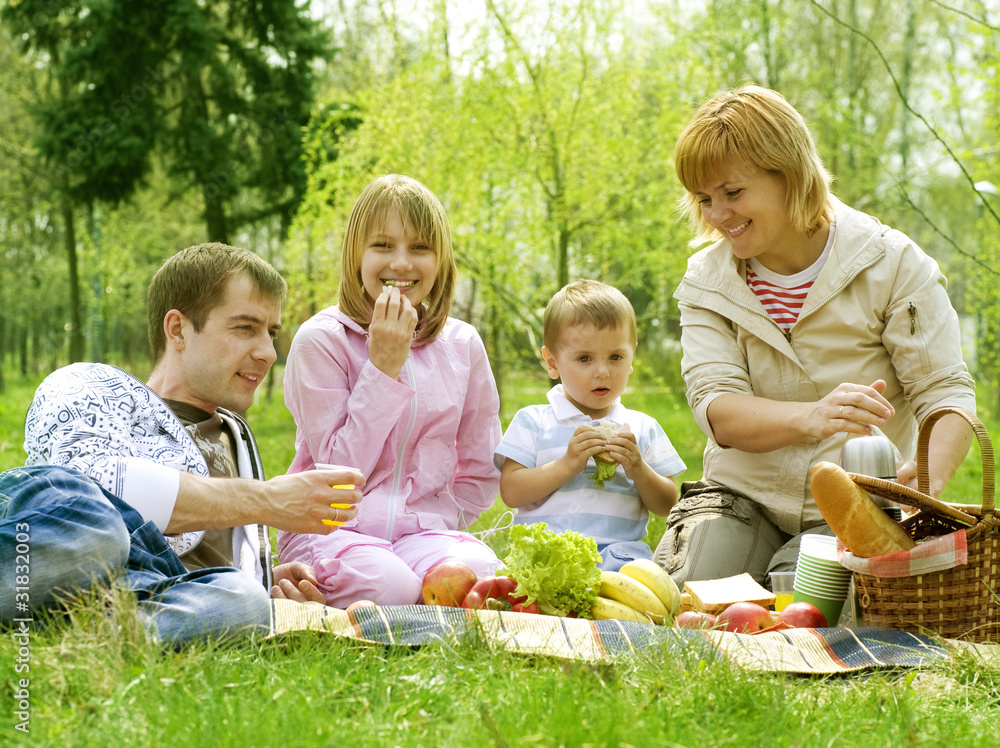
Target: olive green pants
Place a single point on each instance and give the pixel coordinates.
(714, 532)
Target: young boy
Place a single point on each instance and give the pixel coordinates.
(547, 456)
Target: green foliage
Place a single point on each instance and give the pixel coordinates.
(222, 90)
(546, 127)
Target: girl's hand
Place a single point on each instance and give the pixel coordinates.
(390, 333)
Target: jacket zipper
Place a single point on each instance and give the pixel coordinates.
(837, 292)
(915, 331)
(397, 473)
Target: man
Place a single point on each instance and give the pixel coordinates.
(163, 481)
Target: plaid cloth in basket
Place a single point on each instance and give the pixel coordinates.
(934, 554)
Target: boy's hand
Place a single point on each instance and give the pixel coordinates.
(624, 449)
(584, 444)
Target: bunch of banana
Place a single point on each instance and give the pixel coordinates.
(639, 591)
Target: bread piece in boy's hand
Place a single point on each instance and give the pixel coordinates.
(858, 521)
(606, 464)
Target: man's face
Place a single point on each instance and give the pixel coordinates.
(222, 365)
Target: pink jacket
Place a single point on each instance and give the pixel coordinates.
(424, 441)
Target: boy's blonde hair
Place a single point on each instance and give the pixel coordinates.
(194, 282)
(417, 207)
(587, 302)
(757, 127)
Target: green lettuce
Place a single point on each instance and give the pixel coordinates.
(557, 570)
(605, 471)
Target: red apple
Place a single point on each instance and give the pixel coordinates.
(447, 583)
(360, 604)
(352, 609)
(497, 589)
(803, 615)
(695, 619)
(745, 618)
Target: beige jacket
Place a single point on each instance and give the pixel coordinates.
(878, 310)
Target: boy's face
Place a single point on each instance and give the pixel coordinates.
(594, 365)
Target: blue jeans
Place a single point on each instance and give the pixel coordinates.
(615, 555)
(60, 533)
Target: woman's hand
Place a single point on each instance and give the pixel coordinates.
(390, 333)
(756, 424)
(853, 408)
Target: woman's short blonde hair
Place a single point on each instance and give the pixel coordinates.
(755, 127)
(416, 206)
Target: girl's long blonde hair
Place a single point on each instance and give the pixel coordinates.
(756, 127)
(417, 207)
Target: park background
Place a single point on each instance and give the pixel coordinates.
(130, 130)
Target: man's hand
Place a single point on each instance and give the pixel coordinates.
(296, 581)
(297, 503)
(302, 501)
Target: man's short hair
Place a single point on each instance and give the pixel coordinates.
(586, 302)
(194, 281)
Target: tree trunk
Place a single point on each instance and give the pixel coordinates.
(213, 182)
(905, 79)
(75, 316)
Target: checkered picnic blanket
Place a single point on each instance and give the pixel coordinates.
(935, 554)
(809, 651)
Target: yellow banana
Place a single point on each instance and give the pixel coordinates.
(653, 576)
(606, 610)
(636, 595)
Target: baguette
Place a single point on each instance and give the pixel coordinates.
(858, 521)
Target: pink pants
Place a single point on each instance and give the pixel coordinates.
(351, 566)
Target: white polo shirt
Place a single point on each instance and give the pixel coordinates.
(540, 434)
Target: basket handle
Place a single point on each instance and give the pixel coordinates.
(985, 451)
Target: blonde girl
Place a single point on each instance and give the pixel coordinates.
(388, 383)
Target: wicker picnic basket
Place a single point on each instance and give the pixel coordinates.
(962, 602)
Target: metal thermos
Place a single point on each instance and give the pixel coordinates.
(874, 456)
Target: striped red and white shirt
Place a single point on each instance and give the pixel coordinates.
(782, 296)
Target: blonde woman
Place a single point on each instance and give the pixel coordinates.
(388, 383)
(804, 323)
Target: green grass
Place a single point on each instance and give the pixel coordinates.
(96, 681)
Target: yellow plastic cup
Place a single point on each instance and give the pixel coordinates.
(782, 587)
(343, 487)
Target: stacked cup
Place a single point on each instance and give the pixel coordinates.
(819, 578)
